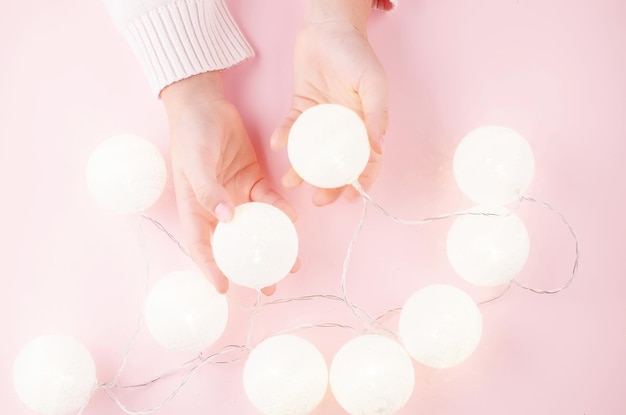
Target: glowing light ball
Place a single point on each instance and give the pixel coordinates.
(372, 375)
(494, 165)
(328, 146)
(126, 174)
(258, 247)
(285, 374)
(184, 312)
(488, 250)
(440, 326)
(54, 375)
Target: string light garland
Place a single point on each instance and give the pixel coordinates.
(258, 247)
(440, 326)
(54, 375)
(184, 312)
(328, 146)
(285, 374)
(488, 251)
(372, 374)
(126, 174)
(494, 165)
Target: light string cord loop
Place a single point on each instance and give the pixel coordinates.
(131, 342)
(253, 319)
(363, 316)
(184, 250)
(571, 230)
(186, 378)
(424, 221)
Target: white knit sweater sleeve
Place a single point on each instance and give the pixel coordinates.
(175, 39)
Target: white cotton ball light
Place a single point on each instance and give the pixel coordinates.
(328, 146)
(285, 374)
(258, 247)
(440, 326)
(126, 174)
(184, 312)
(488, 250)
(54, 375)
(372, 375)
(494, 165)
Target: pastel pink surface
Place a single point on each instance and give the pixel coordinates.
(554, 71)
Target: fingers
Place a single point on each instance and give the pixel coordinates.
(281, 134)
(371, 171)
(198, 230)
(291, 179)
(211, 195)
(323, 197)
(299, 104)
(272, 288)
(373, 92)
(269, 290)
(262, 192)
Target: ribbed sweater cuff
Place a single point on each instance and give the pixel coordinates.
(384, 4)
(186, 38)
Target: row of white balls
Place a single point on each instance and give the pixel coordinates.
(440, 326)
(328, 147)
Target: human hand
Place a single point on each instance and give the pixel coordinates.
(214, 166)
(334, 63)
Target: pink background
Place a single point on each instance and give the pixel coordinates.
(553, 70)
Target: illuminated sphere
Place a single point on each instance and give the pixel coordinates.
(488, 250)
(126, 174)
(494, 165)
(328, 146)
(54, 375)
(258, 247)
(440, 326)
(184, 312)
(372, 375)
(285, 374)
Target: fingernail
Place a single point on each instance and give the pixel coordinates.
(223, 212)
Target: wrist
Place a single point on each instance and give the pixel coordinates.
(196, 90)
(352, 12)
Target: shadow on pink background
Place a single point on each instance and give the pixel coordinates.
(555, 71)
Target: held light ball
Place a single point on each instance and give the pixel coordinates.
(285, 374)
(184, 312)
(328, 146)
(372, 375)
(440, 326)
(488, 250)
(54, 375)
(126, 174)
(258, 247)
(494, 165)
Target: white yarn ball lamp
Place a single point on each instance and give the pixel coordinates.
(440, 326)
(494, 165)
(372, 375)
(285, 374)
(328, 146)
(184, 312)
(258, 247)
(54, 375)
(488, 250)
(126, 174)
